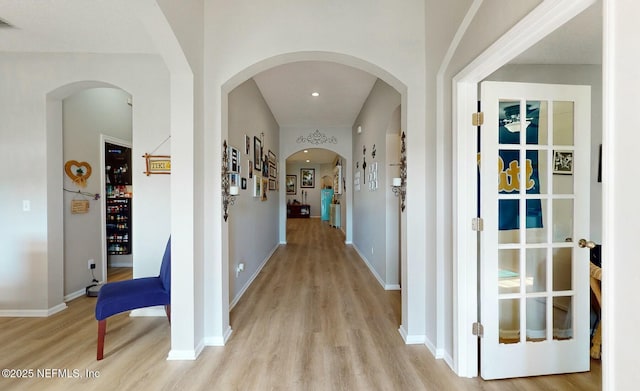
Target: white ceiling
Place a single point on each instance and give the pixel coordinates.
(578, 41)
(313, 155)
(109, 26)
(72, 26)
(287, 89)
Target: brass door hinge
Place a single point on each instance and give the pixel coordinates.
(477, 119)
(477, 329)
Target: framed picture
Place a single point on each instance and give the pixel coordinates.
(563, 162)
(273, 171)
(250, 169)
(291, 184)
(234, 159)
(265, 188)
(272, 184)
(272, 157)
(257, 185)
(234, 179)
(243, 182)
(308, 177)
(247, 144)
(257, 153)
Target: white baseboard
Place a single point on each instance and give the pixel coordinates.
(182, 355)
(253, 277)
(392, 287)
(411, 339)
(219, 341)
(371, 269)
(75, 295)
(449, 360)
(32, 313)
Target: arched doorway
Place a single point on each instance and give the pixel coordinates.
(289, 144)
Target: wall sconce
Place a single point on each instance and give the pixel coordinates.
(229, 193)
(399, 185)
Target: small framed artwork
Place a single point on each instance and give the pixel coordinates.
(291, 184)
(272, 184)
(308, 177)
(265, 188)
(273, 171)
(257, 153)
(234, 179)
(243, 183)
(250, 169)
(234, 159)
(247, 144)
(257, 185)
(563, 162)
(272, 157)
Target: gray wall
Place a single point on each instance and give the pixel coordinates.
(34, 85)
(253, 223)
(370, 215)
(86, 115)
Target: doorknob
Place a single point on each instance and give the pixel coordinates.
(584, 243)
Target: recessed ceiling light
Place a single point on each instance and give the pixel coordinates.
(306, 151)
(315, 94)
(308, 160)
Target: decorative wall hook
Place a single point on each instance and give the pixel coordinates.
(228, 197)
(399, 185)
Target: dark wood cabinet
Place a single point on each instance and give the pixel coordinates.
(298, 210)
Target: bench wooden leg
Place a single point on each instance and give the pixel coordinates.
(102, 328)
(167, 310)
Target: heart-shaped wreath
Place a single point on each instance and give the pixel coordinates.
(79, 172)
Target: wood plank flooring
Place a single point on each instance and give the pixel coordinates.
(314, 319)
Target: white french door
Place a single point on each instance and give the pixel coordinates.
(534, 279)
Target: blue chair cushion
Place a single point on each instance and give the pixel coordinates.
(121, 296)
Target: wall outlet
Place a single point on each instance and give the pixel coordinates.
(91, 264)
(239, 268)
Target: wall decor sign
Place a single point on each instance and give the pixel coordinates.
(79, 206)
(308, 177)
(157, 164)
(317, 138)
(247, 145)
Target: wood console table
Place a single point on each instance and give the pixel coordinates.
(298, 210)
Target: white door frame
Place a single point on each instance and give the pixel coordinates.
(544, 19)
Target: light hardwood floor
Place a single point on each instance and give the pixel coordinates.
(314, 319)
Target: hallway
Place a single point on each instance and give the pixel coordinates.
(314, 319)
